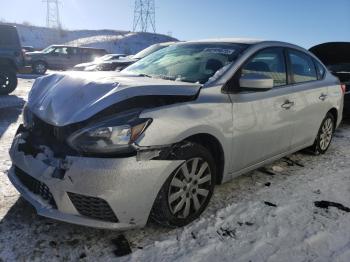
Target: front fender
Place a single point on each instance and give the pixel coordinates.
(174, 123)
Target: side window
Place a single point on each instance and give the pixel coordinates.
(302, 67)
(269, 62)
(61, 50)
(320, 69)
(72, 51)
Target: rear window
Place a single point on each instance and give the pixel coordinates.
(8, 37)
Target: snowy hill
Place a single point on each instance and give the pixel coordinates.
(114, 41)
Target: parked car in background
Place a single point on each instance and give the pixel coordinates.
(113, 149)
(61, 57)
(11, 58)
(123, 62)
(103, 63)
(336, 56)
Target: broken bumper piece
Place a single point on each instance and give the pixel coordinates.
(111, 193)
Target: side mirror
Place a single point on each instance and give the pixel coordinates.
(258, 82)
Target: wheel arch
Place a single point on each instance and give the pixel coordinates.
(334, 112)
(214, 146)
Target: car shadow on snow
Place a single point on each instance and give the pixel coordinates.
(22, 226)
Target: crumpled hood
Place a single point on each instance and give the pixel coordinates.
(66, 98)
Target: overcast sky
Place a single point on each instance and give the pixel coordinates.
(303, 22)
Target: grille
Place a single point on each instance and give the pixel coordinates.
(93, 207)
(35, 186)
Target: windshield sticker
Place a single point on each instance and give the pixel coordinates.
(219, 51)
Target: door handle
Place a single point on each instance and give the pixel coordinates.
(287, 105)
(323, 97)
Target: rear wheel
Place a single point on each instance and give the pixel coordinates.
(325, 135)
(8, 81)
(188, 190)
(39, 67)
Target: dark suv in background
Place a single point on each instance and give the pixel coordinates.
(11, 58)
(61, 57)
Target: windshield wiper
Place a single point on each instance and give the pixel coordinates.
(165, 77)
(144, 75)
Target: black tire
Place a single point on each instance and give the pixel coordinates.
(162, 211)
(39, 68)
(8, 81)
(318, 147)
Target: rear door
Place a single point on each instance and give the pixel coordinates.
(310, 97)
(262, 120)
(74, 56)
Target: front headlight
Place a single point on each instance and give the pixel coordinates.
(110, 135)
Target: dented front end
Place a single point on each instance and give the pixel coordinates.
(102, 192)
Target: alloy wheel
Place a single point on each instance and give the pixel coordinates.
(40, 68)
(189, 188)
(326, 134)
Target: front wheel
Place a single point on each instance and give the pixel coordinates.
(8, 81)
(188, 190)
(325, 135)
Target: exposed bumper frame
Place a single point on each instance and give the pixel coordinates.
(128, 185)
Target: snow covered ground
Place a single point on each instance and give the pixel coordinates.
(114, 41)
(266, 215)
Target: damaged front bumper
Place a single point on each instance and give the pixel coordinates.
(111, 193)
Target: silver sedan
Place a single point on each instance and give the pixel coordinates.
(113, 150)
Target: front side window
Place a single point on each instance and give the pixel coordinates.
(195, 62)
(269, 62)
(302, 67)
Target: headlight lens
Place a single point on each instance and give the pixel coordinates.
(109, 136)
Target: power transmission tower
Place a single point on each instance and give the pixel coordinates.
(52, 14)
(144, 16)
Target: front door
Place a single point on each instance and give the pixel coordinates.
(262, 120)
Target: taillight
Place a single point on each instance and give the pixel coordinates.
(343, 88)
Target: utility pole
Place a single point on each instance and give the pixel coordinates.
(144, 16)
(52, 14)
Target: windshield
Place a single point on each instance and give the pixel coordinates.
(147, 51)
(194, 63)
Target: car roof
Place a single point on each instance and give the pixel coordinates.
(250, 42)
(228, 40)
(82, 47)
